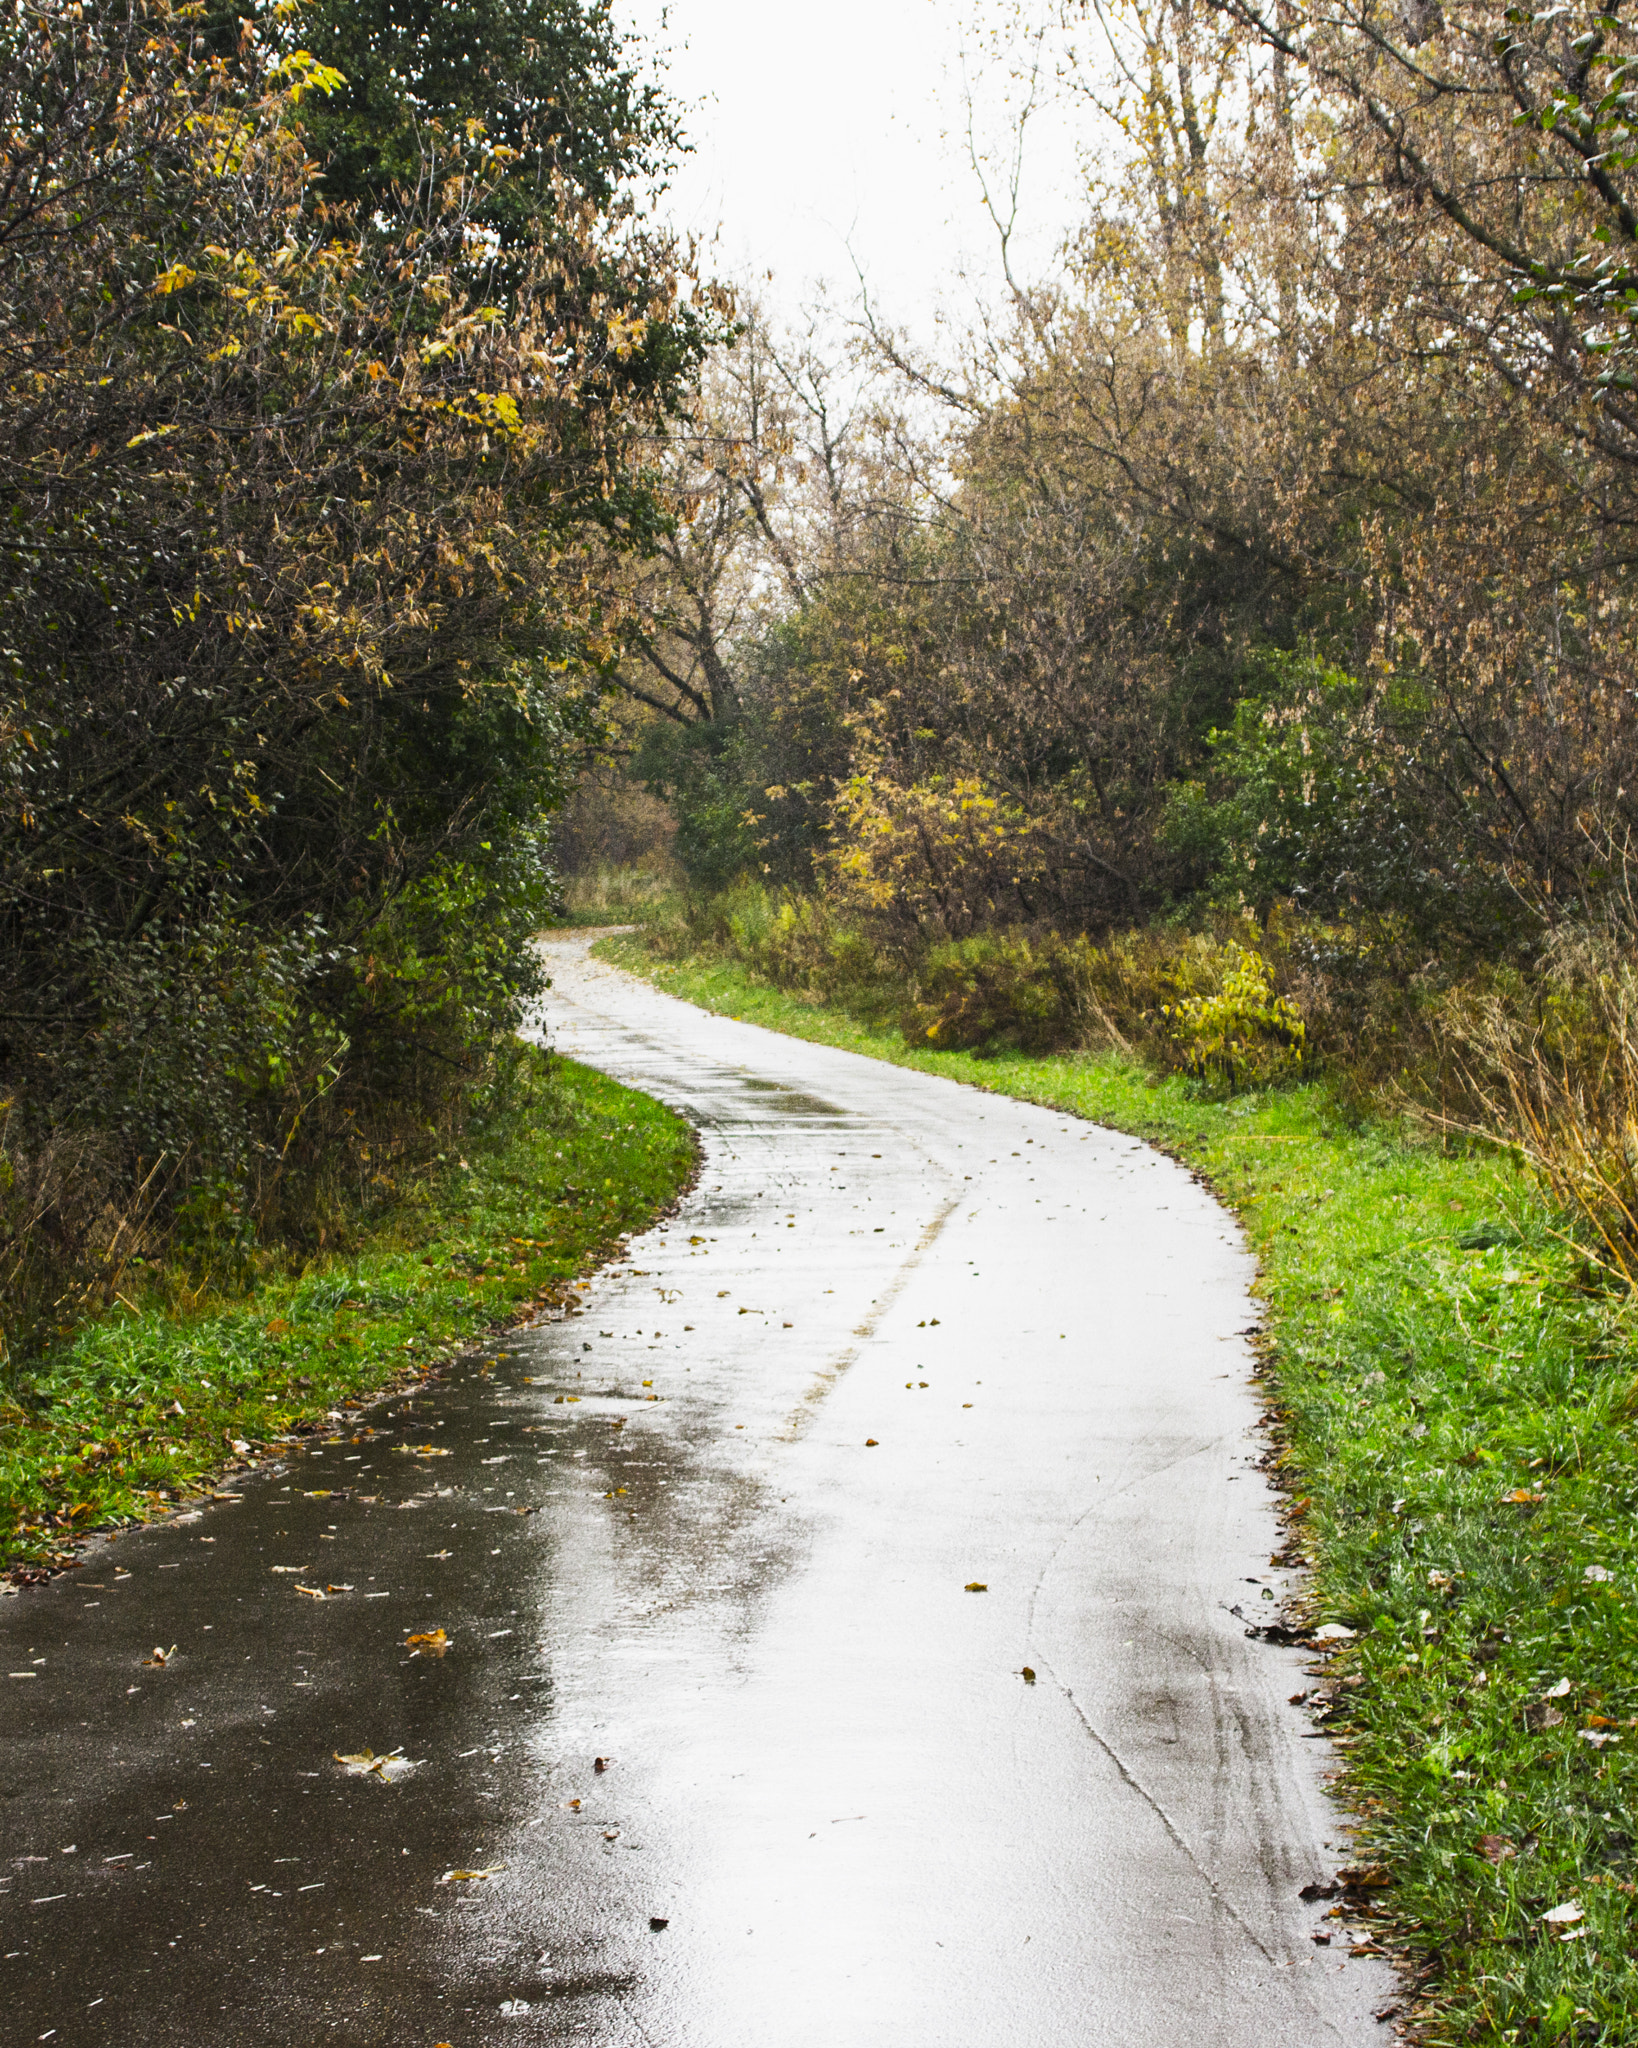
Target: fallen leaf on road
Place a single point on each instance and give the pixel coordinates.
(601, 1763)
(312, 1592)
(424, 1451)
(1027, 1675)
(160, 1657)
(656, 1925)
(290, 1570)
(975, 1586)
(871, 1444)
(364, 1763)
(431, 1642)
(469, 1876)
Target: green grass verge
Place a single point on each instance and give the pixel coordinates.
(142, 1409)
(1453, 1425)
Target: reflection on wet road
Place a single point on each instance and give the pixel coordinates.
(727, 1742)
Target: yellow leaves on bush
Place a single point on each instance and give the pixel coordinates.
(1242, 1033)
(303, 73)
(1033, 992)
(944, 851)
(627, 332)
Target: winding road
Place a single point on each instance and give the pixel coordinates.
(841, 1646)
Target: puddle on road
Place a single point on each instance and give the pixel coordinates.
(793, 1101)
(563, 1550)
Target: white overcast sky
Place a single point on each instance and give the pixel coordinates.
(835, 134)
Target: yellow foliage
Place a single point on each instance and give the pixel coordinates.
(943, 853)
(1242, 1033)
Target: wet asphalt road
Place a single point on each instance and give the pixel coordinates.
(832, 1812)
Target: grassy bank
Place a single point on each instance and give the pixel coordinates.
(144, 1408)
(1450, 1405)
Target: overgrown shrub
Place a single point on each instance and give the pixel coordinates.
(1243, 1034)
(1005, 988)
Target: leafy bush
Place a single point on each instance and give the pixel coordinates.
(1299, 803)
(1194, 1000)
(1243, 1034)
(1004, 988)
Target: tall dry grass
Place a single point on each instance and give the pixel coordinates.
(1549, 1066)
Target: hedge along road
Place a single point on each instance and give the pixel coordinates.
(743, 1573)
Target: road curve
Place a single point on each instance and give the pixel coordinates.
(725, 1531)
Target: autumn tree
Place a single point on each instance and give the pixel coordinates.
(305, 519)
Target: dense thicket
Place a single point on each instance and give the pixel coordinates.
(321, 409)
(1283, 549)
